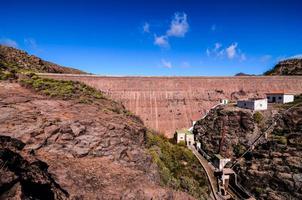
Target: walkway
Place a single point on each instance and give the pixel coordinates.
(209, 172)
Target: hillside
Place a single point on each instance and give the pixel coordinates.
(15, 60)
(87, 146)
(286, 68)
(273, 169)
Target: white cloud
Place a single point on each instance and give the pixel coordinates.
(216, 51)
(166, 64)
(217, 46)
(146, 28)
(8, 42)
(179, 25)
(231, 51)
(178, 28)
(161, 41)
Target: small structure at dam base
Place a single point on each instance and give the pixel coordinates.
(279, 97)
(185, 136)
(253, 104)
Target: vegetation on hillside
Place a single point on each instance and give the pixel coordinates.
(178, 166)
(258, 117)
(67, 90)
(7, 71)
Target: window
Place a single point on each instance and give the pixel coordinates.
(280, 98)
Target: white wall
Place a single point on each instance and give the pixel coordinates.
(260, 104)
(181, 137)
(190, 138)
(223, 162)
(288, 98)
(224, 101)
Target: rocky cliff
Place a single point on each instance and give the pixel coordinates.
(273, 169)
(13, 60)
(287, 67)
(24, 176)
(94, 149)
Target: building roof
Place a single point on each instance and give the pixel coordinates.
(219, 156)
(255, 99)
(283, 93)
(228, 171)
(185, 131)
(252, 99)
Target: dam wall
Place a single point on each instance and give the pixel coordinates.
(169, 103)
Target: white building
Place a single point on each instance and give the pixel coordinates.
(253, 104)
(181, 137)
(279, 97)
(219, 161)
(185, 136)
(224, 101)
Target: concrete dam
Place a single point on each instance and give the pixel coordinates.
(169, 103)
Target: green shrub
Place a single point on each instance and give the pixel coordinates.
(280, 139)
(178, 167)
(67, 90)
(238, 149)
(259, 191)
(7, 71)
(258, 117)
(182, 144)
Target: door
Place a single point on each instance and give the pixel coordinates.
(274, 99)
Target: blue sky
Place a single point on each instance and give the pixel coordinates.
(179, 37)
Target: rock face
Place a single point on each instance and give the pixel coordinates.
(22, 176)
(287, 67)
(18, 59)
(169, 103)
(273, 169)
(223, 129)
(93, 150)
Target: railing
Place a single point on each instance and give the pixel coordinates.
(238, 189)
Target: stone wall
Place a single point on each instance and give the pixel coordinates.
(169, 103)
